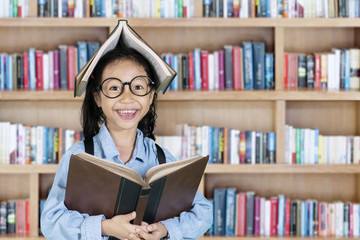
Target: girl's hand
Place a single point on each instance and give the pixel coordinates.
(119, 226)
(154, 231)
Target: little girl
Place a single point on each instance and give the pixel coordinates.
(120, 97)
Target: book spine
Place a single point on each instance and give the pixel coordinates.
(230, 212)
(236, 68)
(250, 198)
(3, 217)
(241, 215)
(219, 211)
(228, 67)
(221, 69)
(197, 68)
(248, 65)
(259, 65)
(25, 71)
(301, 71)
(204, 70)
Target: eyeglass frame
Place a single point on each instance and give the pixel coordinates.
(152, 84)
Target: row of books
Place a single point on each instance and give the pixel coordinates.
(338, 69)
(223, 145)
(246, 214)
(308, 146)
(15, 217)
(20, 144)
(232, 68)
(14, 8)
(37, 69)
(116, 8)
(281, 8)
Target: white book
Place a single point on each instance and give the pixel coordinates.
(281, 215)
(262, 216)
(6, 5)
(13, 144)
(191, 8)
(273, 9)
(253, 147)
(154, 9)
(356, 220)
(46, 71)
(199, 140)
(205, 140)
(216, 70)
(339, 221)
(319, 9)
(225, 8)
(356, 149)
(306, 146)
(211, 73)
(20, 144)
(267, 217)
(287, 144)
(234, 146)
(33, 144)
(59, 9)
(331, 70)
(331, 219)
(325, 149)
(69, 138)
(39, 144)
(336, 71)
(78, 11)
(351, 6)
(325, 8)
(349, 150)
(51, 70)
(244, 9)
(312, 146)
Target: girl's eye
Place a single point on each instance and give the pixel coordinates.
(138, 87)
(114, 88)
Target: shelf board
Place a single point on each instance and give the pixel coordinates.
(28, 169)
(182, 22)
(213, 169)
(282, 168)
(253, 95)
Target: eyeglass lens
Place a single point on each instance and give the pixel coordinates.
(139, 86)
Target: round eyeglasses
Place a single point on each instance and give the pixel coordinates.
(114, 87)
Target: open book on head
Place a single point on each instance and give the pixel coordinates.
(124, 33)
(97, 186)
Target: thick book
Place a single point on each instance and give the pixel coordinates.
(124, 33)
(96, 186)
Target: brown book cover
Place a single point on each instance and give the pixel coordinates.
(96, 186)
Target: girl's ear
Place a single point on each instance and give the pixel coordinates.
(96, 95)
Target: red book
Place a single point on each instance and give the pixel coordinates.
(19, 11)
(242, 147)
(26, 70)
(285, 71)
(287, 217)
(292, 71)
(39, 70)
(27, 216)
(71, 61)
(236, 8)
(257, 211)
(204, 56)
(185, 12)
(273, 216)
(191, 70)
(241, 214)
(237, 63)
(317, 71)
(221, 69)
(20, 216)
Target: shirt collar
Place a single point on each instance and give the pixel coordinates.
(110, 150)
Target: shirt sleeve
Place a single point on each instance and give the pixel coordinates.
(57, 222)
(194, 223)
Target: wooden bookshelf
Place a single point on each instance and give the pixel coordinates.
(333, 112)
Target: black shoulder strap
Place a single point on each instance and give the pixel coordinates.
(160, 154)
(89, 146)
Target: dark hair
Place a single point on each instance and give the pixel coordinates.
(92, 116)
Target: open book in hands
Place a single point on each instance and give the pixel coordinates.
(97, 186)
(124, 33)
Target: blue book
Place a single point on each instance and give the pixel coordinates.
(281, 215)
(2, 72)
(356, 8)
(304, 219)
(347, 69)
(92, 47)
(269, 71)
(50, 145)
(230, 8)
(32, 69)
(197, 69)
(82, 55)
(219, 211)
(311, 217)
(45, 149)
(64, 8)
(230, 212)
(279, 7)
(174, 65)
(248, 147)
(248, 65)
(259, 65)
(98, 8)
(316, 150)
(103, 8)
(271, 146)
(263, 8)
(9, 71)
(215, 145)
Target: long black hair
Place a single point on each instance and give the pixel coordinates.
(92, 116)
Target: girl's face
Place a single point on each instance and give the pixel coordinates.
(125, 111)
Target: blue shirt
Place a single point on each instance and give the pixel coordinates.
(57, 222)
